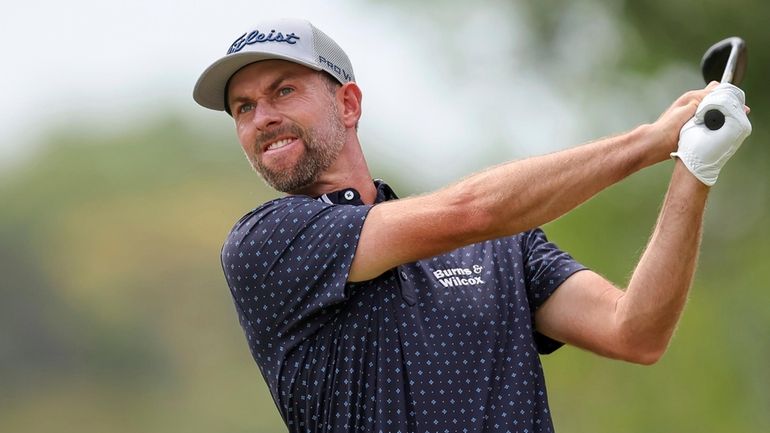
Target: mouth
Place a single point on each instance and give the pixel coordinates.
(278, 144)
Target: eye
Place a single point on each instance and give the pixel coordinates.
(283, 91)
(245, 108)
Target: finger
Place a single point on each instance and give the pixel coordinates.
(747, 109)
(711, 85)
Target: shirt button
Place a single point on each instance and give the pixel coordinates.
(349, 195)
(403, 276)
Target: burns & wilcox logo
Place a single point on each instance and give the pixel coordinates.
(258, 37)
(455, 277)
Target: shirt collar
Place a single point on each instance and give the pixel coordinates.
(352, 197)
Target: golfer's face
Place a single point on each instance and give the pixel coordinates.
(286, 120)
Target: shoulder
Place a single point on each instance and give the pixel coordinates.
(278, 208)
(288, 217)
(536, 241)
(277, 211)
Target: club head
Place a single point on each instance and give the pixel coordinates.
(725, 61)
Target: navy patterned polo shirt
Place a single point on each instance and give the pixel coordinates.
(445, 344)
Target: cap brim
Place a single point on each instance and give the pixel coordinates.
(210, 89)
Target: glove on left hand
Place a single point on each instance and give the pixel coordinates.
(704, 152)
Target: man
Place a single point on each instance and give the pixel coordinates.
(372, 314)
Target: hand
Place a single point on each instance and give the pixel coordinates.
(704, 151)
(671, 121)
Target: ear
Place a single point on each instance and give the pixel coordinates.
(349, 98)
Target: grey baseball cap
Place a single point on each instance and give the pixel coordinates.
(294, 40)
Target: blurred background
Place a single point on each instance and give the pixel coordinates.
(117, 191)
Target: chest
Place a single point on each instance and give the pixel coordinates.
(475, 293)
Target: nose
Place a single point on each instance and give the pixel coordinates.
(266, 116)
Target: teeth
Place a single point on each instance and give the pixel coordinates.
(280, 143)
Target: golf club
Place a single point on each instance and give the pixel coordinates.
(725, 62)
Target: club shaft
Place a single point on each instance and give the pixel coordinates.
(732, 63)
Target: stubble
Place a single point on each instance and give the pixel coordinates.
(321, 149)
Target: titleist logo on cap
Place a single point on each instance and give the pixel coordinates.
(258, 37)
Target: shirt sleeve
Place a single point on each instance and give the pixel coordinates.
(546, 267)
(286, 262)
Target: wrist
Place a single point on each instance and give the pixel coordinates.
(657, 144)
(684, 176)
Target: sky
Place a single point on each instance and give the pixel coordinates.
(450, 88)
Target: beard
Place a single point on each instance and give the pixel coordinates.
(321, 150)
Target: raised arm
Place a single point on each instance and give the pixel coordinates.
(636, 325)
(513, 197)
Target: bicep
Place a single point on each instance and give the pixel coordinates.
(581, 312)
(406, 230)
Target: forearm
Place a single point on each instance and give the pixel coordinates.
(521, 195)
(517, 196)
(652, 304)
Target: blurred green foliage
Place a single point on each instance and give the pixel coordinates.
(115, 316)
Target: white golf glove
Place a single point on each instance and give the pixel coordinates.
(704, 151)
